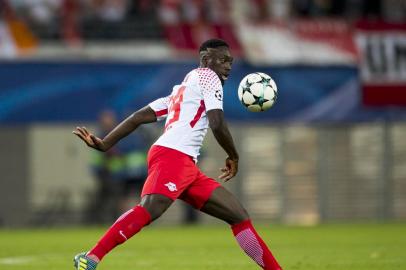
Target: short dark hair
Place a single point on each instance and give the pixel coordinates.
(212, 43)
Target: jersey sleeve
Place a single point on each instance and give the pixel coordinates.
(211, 89)
(160, 107)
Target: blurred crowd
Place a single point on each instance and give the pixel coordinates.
(73, 20)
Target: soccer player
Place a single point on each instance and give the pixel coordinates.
(192, 107)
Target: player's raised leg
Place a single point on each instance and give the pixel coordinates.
(224, 205)
(131, 222)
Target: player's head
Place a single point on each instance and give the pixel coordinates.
(215, 54)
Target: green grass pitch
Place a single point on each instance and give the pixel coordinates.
(326, 247)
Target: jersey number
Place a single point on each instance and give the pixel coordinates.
(174, 107)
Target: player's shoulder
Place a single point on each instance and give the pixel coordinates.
(206, 77)
(205, 73)
(200, 76)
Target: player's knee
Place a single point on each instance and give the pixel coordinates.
(239, 216)
(155, 204)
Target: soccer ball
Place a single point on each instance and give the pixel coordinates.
(257, 92)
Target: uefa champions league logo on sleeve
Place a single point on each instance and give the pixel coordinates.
(219, 95)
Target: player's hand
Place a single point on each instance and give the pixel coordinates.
(91, 140)
(230, 170)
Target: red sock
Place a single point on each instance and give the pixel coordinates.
(253, 245)
(125, 227)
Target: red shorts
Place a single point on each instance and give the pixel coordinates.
(175, 175)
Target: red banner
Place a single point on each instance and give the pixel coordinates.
(186, 37)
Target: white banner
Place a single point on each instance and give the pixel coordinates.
(319, 42)
(7, 47)
(383, 56)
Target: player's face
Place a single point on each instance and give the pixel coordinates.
(220, 61)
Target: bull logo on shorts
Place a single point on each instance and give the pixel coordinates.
(171, 186)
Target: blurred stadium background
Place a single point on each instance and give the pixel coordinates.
(332, 149)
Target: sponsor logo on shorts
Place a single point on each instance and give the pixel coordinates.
(171, 186)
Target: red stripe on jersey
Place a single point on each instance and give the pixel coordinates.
(198, 114)
(161, 112)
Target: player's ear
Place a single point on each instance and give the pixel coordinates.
(204, 58)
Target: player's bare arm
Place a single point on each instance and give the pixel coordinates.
(223, 136)
(142, 116)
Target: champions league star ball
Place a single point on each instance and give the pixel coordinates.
(257, 92)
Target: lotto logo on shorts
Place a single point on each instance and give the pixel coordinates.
(171, 186)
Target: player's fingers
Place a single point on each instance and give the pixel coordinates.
(231, 173)
(87, 135)
(225, 174)
(81, 131)
(84, 135)
(229, 176)
(85, 131)
(80, 135)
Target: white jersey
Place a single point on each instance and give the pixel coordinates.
(185, 111)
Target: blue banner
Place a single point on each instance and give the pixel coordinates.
(78, 91)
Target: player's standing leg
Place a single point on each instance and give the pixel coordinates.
(170, 172)
(151, 207)
(223, 205)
